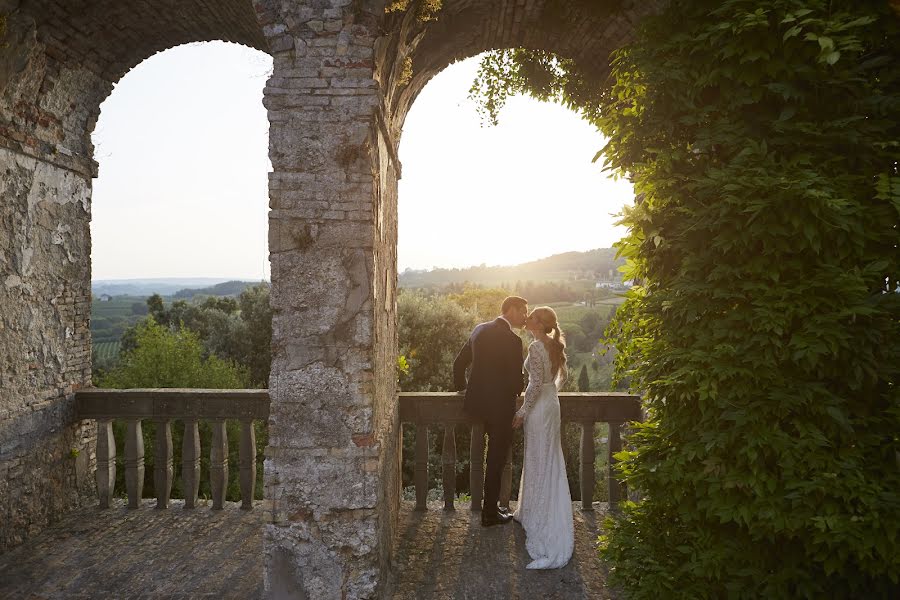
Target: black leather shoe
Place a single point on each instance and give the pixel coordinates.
(487, 520)
(503, 511)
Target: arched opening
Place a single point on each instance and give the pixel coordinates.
(179, 236)
(59, 62)
(345, 75)
(474, 195)
(509, 200)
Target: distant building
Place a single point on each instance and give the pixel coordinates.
(105, 297)
(614, 284)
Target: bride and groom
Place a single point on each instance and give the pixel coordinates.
(495, 381)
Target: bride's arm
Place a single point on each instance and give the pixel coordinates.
(535, 373)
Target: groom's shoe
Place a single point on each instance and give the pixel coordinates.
(504, 511)
(497, 518)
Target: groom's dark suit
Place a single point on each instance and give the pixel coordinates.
(495, 381)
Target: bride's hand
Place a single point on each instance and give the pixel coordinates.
(517, 421)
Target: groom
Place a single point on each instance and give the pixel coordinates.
(495, 382)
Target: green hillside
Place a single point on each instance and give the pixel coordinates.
(587, 266)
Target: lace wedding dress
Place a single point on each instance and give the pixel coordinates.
(545, 504)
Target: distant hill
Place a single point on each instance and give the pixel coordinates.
(227, 288)
(594, 264)
(147, 287)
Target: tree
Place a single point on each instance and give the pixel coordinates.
(484, 303)
(761, 137)
(157, 309)
(167, 359)
(431, 330)
(236, 329)
(162, 358)
(584, 381)
(256, 317)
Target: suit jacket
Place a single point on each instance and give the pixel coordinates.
(496, 379)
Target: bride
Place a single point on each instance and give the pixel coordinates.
(545, 504)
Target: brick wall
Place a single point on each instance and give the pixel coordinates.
(58, 61)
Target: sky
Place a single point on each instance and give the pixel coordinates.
(182, 147)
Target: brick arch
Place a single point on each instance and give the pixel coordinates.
(66, 56)
(345, 75)
(586, 31)
(336, 102)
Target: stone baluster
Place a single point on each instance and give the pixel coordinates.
(587, 465)
(190, 462)
(248, 463)
(106, 462)
(134, 462)
(616, 489)
(506, 480)
(476, 466)
(421, 469)
(218, 463)
(449, 465)
(162, 467)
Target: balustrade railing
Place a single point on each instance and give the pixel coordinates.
(446, 409)
(163, 406)
(421, 409)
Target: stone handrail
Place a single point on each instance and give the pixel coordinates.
(446, 408)
(162, 406)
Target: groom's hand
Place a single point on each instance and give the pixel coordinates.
(517, 421)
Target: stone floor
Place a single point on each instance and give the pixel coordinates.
(444, 555)
(140, 554)
(186, 554)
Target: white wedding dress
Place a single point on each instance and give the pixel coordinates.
(545, 504)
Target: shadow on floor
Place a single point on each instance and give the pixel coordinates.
(447, 554)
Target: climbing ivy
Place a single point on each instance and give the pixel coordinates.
(540, 74)
(762, 139)
(426, 10)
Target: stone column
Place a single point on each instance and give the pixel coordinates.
(331, 467)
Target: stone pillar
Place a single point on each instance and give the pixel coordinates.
(331, 467)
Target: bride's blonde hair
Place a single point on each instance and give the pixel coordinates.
(546, 316)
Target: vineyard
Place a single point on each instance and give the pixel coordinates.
(107, 351)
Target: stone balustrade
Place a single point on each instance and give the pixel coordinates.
(163, 406)
(446, 409)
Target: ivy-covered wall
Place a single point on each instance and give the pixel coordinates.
(763, 139)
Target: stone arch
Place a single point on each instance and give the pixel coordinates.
(64, 58)
(59, 59)
(343, 83)
(336, 103)
(584, 31)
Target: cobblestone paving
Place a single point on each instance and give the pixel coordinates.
(444, 555)
(123, 554)
(179, 554)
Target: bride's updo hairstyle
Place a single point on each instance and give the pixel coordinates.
(547, 317)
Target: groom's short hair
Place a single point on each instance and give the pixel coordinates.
(512, 302)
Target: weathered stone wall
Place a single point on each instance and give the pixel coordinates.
(46, 458)
(332, 461)
(58, 61)
(345, 74)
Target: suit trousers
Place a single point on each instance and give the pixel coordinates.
(499, 440)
